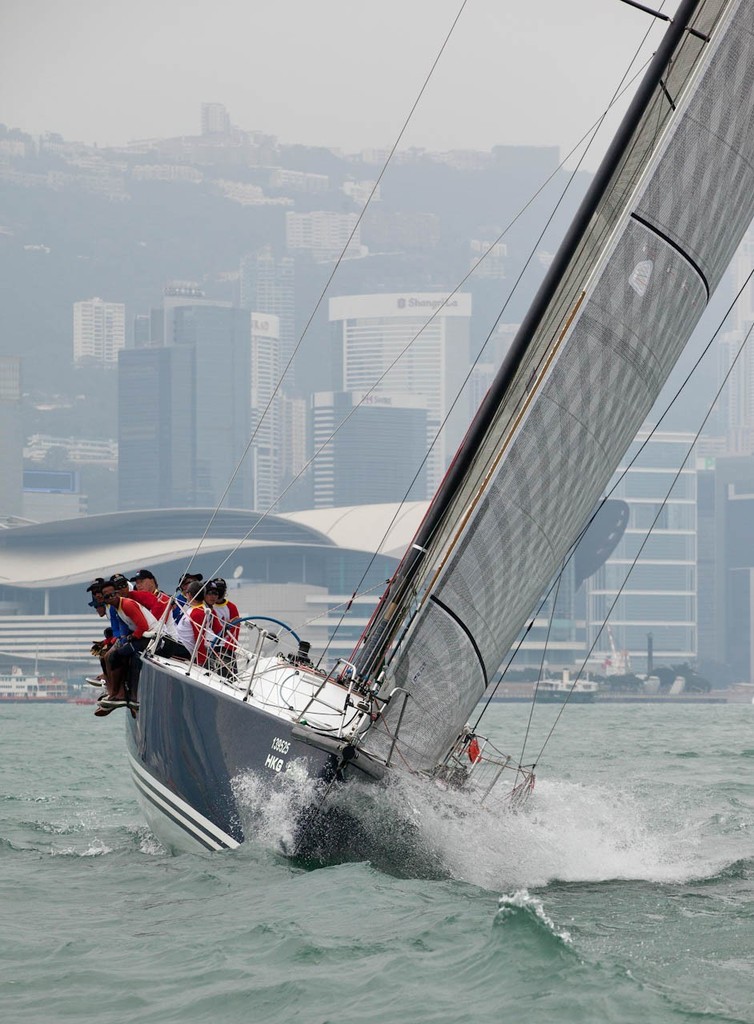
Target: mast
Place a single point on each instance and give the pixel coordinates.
(391, 609)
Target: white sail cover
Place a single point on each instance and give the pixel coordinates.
(657, 244)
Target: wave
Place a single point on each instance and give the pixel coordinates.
(521, 909)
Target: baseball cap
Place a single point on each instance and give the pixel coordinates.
(143, 574)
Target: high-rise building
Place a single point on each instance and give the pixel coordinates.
(184, 413)
(265, 409)
(220, 338)
(660, 594)
(376, 456)
(415, 344)
(734, 415)
(294, 483)
(268, 288)
(156, 428)
(11, 432)
(324, 233)
(215, 119)
(726, 568)
(99, 331)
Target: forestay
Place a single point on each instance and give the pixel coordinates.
(649, 245)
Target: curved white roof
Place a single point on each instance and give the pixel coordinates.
(387, 529)
(75, 551)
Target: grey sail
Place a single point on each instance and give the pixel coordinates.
(651, 242)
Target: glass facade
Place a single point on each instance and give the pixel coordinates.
(649, 583)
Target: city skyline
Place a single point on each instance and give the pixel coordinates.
(335, 93)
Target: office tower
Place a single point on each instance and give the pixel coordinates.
(156, 428)
(726, 568)
(265, 409)
(410, 344)
(11, 431)
(660, 594)
(215, 119)
(184, 413)
(220, 337)
(142, 330)
(734, 414)
(99, 331)
(294, 485)
(377, 454)
(268, 287)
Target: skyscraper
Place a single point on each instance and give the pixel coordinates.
(220, 337)
(156, 428)
(268, 288)
(660, 594)
(265, 409)
(376, 457)
(11, 449)
(184, 413)
(99, 331)
(410, 344)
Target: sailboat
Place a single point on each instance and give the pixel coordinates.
(647, 248)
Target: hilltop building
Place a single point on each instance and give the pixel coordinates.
(215, 119)
(99, 331)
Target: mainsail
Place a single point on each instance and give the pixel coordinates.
(649, 245)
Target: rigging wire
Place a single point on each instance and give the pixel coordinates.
(542, 664)
(649, 532)
(327, 284)
(616, 484)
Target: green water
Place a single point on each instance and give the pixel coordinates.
(624, 892)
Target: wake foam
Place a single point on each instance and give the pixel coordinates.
(566, 832)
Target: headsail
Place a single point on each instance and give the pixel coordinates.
(652, 239)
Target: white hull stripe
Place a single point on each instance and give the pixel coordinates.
(179, 811)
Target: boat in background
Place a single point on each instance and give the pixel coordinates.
(659, 225)
(561, 691)
(18, 688)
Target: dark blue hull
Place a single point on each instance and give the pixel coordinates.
(189, 742)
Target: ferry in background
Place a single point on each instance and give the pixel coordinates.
(558, 691)
(18, 688)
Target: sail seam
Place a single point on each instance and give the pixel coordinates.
(674, 245)
(468, 633)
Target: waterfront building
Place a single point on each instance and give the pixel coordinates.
(99, 331)
(659, 594)
(409, 343)
(726, 566)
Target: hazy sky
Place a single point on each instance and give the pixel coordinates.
(340, 73)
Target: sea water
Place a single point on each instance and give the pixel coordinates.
(623, 891)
